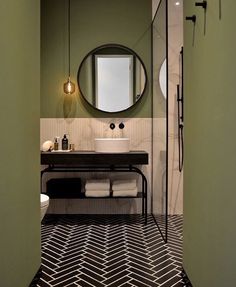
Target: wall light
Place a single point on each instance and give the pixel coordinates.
(69, 87)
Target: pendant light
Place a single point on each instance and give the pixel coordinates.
(69, 87)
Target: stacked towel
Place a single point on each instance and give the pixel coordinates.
(126, 192)
(97, 193)
(97, 184)
(124, 184)
(125, 188)
(97, 188)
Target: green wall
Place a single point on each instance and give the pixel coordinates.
(19, 120)
(93, 23)
(210, 144)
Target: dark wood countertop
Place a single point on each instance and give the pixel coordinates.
(94, 158)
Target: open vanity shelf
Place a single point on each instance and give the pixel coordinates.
(89, 161)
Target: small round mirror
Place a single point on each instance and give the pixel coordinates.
(112, 78)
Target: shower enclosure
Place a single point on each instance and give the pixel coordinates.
(160, 118)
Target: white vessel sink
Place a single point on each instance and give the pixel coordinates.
(112, 145)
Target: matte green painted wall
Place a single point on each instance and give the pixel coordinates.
(93, 23)
(19, 128)
(210, 146)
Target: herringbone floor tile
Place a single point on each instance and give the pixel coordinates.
(109, 250)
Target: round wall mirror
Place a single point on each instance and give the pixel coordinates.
(112, 78)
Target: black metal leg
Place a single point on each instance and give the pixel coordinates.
(41, 181)
(146, 200)
(143, 196)
(52, 169)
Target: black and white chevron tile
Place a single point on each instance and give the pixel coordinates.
(109, 250)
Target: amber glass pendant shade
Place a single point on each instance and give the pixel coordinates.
(69, 87)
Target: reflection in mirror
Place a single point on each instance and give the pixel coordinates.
(112, 78)
(114, 71)
(162, 78)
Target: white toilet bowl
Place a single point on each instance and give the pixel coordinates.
(44, 202)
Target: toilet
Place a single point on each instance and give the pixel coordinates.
(44, 203)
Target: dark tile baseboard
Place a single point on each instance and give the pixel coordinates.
(36, 278)
(186, 280)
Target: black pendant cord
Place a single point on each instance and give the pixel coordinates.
(220, 9)
(69, 36)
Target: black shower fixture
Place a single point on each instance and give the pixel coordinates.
(121, 126)
(112, 126)
(191, 18)
(202, 4)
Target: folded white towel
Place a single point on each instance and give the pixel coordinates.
(128, 192)
(97, 184)
(97, 193)
(124, 184)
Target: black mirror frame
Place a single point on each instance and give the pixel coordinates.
(108, 46)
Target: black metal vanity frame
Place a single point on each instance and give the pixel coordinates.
(83, 161)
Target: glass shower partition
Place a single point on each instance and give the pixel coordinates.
(160, 118)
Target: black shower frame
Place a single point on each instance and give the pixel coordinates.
(165, 238)
(180, 105)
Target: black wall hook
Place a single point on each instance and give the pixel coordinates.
(202, 4)
(191, 18)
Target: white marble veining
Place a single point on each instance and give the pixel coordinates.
(155, 4)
